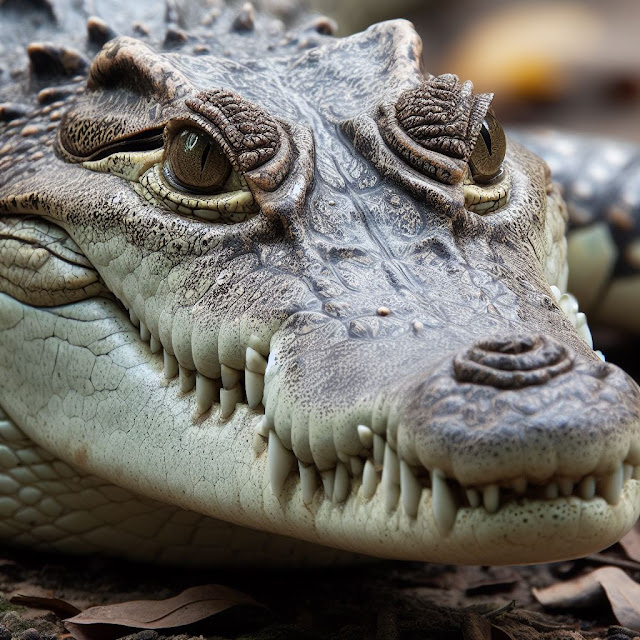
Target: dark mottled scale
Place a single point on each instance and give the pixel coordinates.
(601, 185)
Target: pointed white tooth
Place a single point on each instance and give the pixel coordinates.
(170, 366)
(378, 448)
(566, 486)
(343, 457)
(491, 497)
(551, 491)
(519, 485)
(600, 355)
(255, 361)
(369, 479)
(230, 377)
(356, 465)
(391, 478)
(634, 452)
(254, 387)
(145, 335)
(308, 481)
(135, 321)
(206, 393)
(410, 490)
(628, 472)
(154, 344)
(611, 486)
(557, 294)
(187, 379)
(262, 427)
(583, 329)
(229, 398)
(328, 481)
(342, 483)
(443, 502)
(366, 436)
(587, 488)
(280, 462)
(473, 496)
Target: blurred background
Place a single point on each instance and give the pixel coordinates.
(572, 64)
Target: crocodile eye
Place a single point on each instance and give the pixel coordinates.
(195, 162)
(488, 154)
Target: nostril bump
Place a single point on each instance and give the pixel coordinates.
(512, 363)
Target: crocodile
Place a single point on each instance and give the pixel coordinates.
(280, 297)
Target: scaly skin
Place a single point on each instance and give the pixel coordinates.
(401, 373)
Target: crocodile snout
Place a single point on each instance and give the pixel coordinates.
(512, 363)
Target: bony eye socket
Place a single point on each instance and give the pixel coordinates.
(488, 154)
(196, 162)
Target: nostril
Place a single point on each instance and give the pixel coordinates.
(512, 363)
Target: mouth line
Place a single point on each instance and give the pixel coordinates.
(377, 471)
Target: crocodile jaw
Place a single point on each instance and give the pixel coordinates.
(159, 446)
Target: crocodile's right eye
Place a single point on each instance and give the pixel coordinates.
(195, 162)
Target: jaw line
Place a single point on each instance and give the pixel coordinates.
(212, 467)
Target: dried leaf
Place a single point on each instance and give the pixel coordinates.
(190, 606)
(475, 627)
(631, 543)
(61, 608)
(622, 592)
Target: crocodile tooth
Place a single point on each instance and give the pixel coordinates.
(443, 502)
(308, 480)
(187, 379)
(583, 329)
(611, 485)
(636, 473)
(369, 479)
(229, 398)
(491, 497)
(566, 486)
(170, 365)
(366, 436)
(328, 481)
(254, 387)
(391, 478)
(551, 491)
(410, 490)
(262, 427)
(628, 472)
(557, 294)
(587, 488)
(634, 452)
(473, 496)
(135, 321)
(343, 457)
(356, 465)
(280, 461)
(145, 335)
(342, 483)
(519, 485)
(378, 448)
(230, 377)
(154, 344)
(206, 393)
(255, 362)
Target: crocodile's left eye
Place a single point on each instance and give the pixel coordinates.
(489, 151)
(195, 162)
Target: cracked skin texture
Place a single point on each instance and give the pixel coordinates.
(357, 269)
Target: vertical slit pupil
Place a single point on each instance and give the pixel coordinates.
(205, 155)
(486, 136)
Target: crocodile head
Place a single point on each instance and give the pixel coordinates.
(293, 284)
